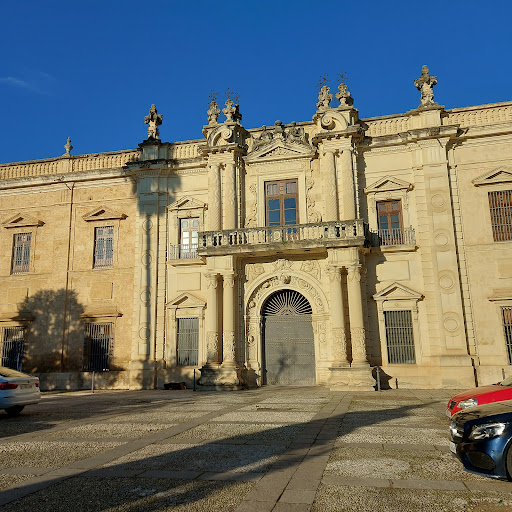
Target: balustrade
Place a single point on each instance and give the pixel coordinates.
(389, 237)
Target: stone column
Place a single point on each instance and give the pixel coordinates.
(330, 189)
(347, 180)
(212, 322)
(228, 310)
(214, 211)
(339, 351)
(229, 199)
(355, 306)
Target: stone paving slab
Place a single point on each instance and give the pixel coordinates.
(342, 451)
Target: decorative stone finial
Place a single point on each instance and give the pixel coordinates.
(68, 147)
(213, 112)
(425, 84)
(237, 117)
(344, 96)
(229, 110)
(154, 120)
(324, 98)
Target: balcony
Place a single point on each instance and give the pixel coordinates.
(283, 238)
(183, 254)
(392, 237)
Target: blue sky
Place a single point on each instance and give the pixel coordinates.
(91, 70)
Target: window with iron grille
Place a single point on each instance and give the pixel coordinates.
(21, 253)
(500, 205)
(507, 326)
(98, 343)
(12, 347)
(399, 337)
(103, 247)
(188, 341)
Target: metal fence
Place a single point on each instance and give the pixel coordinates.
(188, 341)
(97, 345)
(507, 327)
(387, 237)
(12, 347)
(182, 252)
(399, 337)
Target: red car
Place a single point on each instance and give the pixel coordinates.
(480, 396)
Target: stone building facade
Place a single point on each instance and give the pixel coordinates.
(299, 254)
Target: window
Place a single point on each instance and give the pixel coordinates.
(98, 344)
(189, 238)
(12, 347)
(500, 205)
(507, 326)
(281, 201)
(399, 337)
(21, 253)
(188, 341)
(390, 222)
(103, 247)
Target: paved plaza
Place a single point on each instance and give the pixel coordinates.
(270, 449)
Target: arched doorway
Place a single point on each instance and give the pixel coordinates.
(288, 341)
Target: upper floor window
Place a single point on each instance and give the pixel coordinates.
(390, 222)
(189, 237)
(103, 247)
(500, 205)
(281, 202)
(21, 253)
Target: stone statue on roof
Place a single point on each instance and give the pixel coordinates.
(425, 83)
(153, 120)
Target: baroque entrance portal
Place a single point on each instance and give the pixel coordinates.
(288, 342)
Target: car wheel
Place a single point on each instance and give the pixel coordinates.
(508, 462)
(14, 410)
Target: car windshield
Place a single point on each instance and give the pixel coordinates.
(8, 372)
(506, 382)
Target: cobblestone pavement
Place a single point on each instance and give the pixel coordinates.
(275, 448)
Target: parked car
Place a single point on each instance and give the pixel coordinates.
(480, 396)
(17, 390)
(482, 439)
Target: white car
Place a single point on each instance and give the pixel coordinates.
(17, 390)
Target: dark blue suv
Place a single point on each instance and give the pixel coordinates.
(482, 439)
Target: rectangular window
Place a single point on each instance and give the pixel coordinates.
(188, 341)
(104, 247)
(21, 253)
(189, 238)
(500, 206)
(281, 202)
(399, 337)
(98, 343)
(12, 347)
(390, 222)
(507, 326)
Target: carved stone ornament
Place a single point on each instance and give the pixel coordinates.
(229, 111)
(312, 268)
(425, 84)
(212, 339)
(324, 98)
(213, 113)
(153, 120)
(295, 134)
(211, 280)
(344, 96)
(68, 147)
(340, 344)
(228, 346)
(358, 336)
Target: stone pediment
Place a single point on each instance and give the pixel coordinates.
(186, 300)
(397, 291)
(388, 184)
(501, 174)
(21, 220)
(103, 213)
(279, 149)
(186, 203)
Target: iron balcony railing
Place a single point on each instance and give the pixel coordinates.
(390, 237)
(182, 252)
(351, 232)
